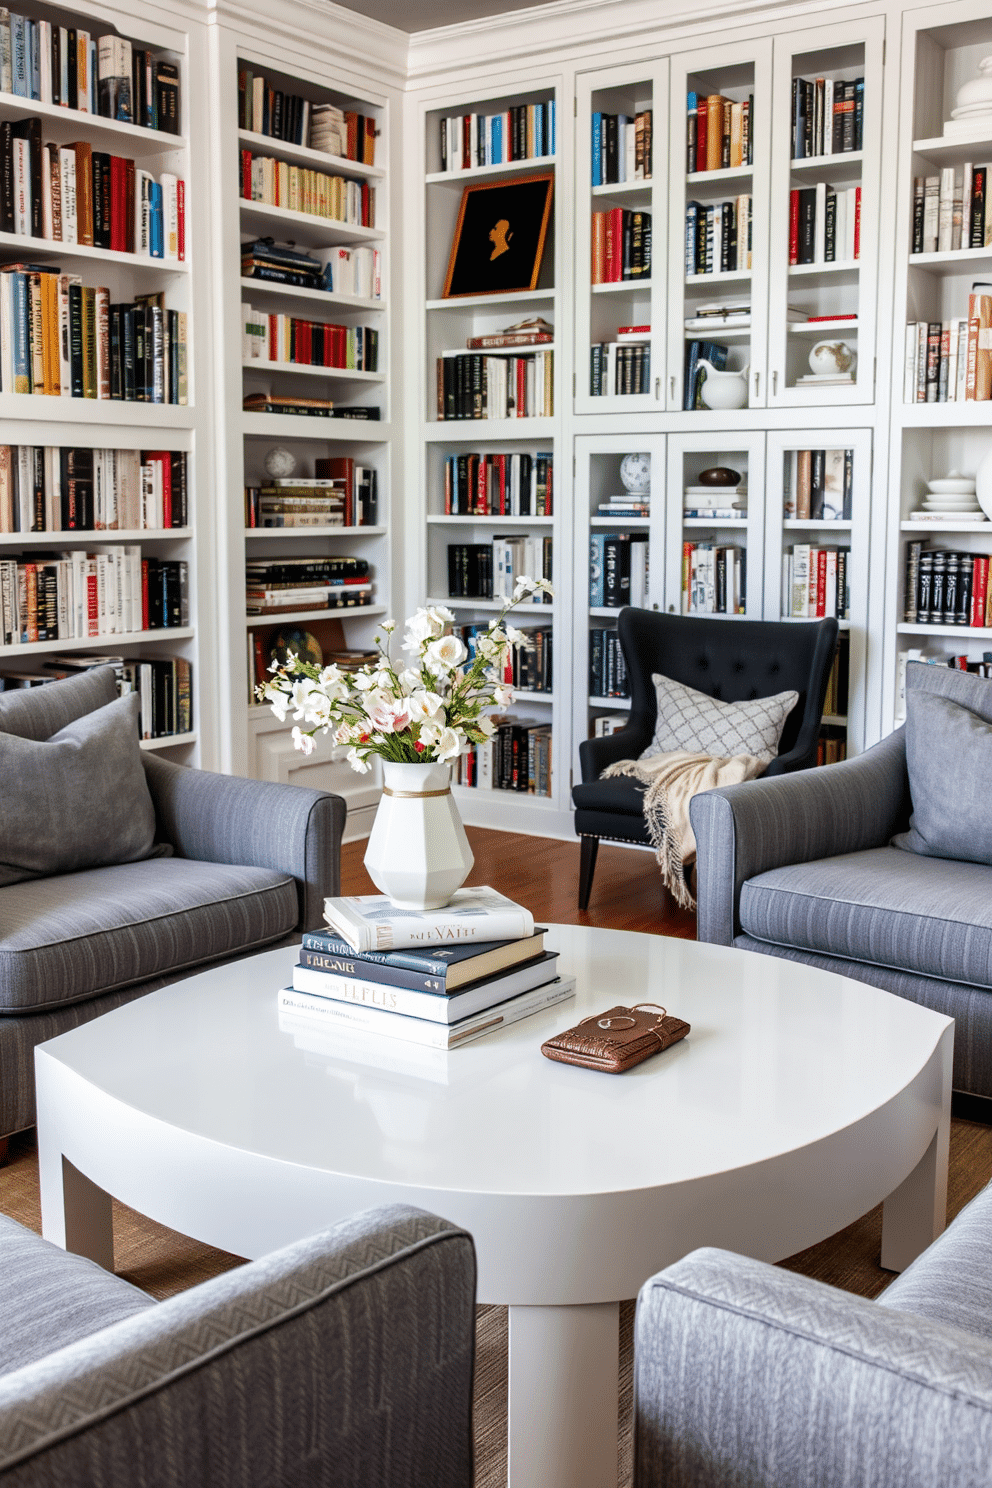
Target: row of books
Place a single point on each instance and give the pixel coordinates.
(618, 569)
(75, 194)
(959, 663)
(70, 68)
(719, 132)
(473, 386)
(714, 579)
(345, 271)
(528, 666)
(608, 675)
(718, 237)
(499, 485)
(831, 747)
(68, 488)
(949, 210)
(164, 685)
(947, 587)
(819, 485)
(696, 352)
(263, 109)
(372, 980)
(816, 582)
(307, 343)
(524, 132)
(66, 596)
(60, 337)
(950, 361)
(824, 224)
(604, 725)
(296, 406)
(621, 245)
(622, 146)
(619, 368)
(276, 586)
(275, 183)
(490, 570)
(349, 499)
(827, 116)
(625, 504)
(517, 758)
(835, 698)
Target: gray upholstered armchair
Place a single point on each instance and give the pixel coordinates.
(248, 866)
(344, 1359)
(748, 1374)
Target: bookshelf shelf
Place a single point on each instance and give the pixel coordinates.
(803, 524)
(65, 124)
(315, 297)
(521, 695)
(958, 262)
(625, 189)
(620, 522)
(846, 165)
(80, 538)
(498, 350)
(495, 605)
(954, 150)
(618, 705)
(945, 415)
(732, 276)
(470, 431)
(170, 741)
(934, 529)
(714, 523)
(696, 180)
(342, 374)
(834, 720)
(622, 286)
(534, 165)
(296, 617)
(818, 274)
(101, 642)
(268, 533)
(805, 619)
(964, 632)
(521, 297)
(159, 416)
(475, 519)
(302, 426)
(604, 612)
(824, 328)
(304, 228)
(719, 333)
(45, 248)
(332, 165)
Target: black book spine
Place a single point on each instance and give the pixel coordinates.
(848, 134)
(612, 161)
(128, 317)
(73, 99)
(690, 140)
(76, 340)
(924, 589)
(830, 228)
(859, 113)
(65, 467)
(6, 176)
(966, 571)
(817, 466)
(38, 521)
(478, 403)
(807, 225)
(918, 200)
(951, 575)
(627, 259)
(978, 184)
(848, 483)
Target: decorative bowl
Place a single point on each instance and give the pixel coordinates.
(719, 475)
(952, 485)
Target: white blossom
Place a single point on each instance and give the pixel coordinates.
(358, 762)
(444, 654)
(303, 742)
(502, 695)
(425, 706)
(450, 744)
(515, 637)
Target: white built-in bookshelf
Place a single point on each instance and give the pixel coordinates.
(74, 416)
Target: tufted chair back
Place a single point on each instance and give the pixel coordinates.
(732, 661)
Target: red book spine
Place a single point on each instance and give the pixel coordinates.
(273, 323)
(701, 117)
(92, 605)
(466, 142)
(979, 591)
(144, 593)
(481, 488)
(365, 204)
(548, 510)
(614, 246)
(166, 463)
(793, 227)
(246, 174)
(181, 217)
(821, 583)
(118, 204)
(857, 223)
(521, 410)
(501, 472)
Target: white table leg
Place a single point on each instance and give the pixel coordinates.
(916, 1212)
(563, 1396)
(75, 1213)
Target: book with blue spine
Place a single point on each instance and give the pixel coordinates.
(19, 63)
(597, 168)
(33, 44)
(597, 569)
(496, 145)
(554, 114)
(156, 224)
(692, 211)
(437, 969)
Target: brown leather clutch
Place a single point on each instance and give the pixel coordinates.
(618, 1039)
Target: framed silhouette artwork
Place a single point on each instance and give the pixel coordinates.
(499, 237)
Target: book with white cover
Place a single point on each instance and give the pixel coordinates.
(436, 1007)
(371, 922)
(421, 1030)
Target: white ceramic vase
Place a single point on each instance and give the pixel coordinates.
(983, 483)
(418, 852)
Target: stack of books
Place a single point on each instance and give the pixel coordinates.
(949, 211)
(950, 361)
(439, 977)
(282, 586)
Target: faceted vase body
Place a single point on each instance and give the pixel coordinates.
(418, 852)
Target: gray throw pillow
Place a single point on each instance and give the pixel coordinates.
(693, 720)
(949, 759)
(76, 800)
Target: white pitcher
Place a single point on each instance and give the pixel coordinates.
(723, 389)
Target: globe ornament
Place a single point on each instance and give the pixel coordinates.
(293, 641)
(280, 463)
(635, 473)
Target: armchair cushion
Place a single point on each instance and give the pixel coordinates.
(79, 799)
(877, 906)
(40, 712)
(78, 935)
(702, 724)
(618, 793)
(50, 1298)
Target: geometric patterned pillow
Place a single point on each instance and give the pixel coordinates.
(693, 720)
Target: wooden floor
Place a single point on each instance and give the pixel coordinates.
(543, 874)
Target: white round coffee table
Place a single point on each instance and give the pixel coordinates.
(798, 1101)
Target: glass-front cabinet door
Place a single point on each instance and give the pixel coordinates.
(621, 211)
(823, 253)
(718, 226)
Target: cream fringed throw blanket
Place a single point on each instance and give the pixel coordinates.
(672, 779)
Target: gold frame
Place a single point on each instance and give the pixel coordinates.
(528, 180)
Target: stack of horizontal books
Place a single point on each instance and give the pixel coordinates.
(435, 977)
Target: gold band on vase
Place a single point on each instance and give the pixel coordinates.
(415, 795)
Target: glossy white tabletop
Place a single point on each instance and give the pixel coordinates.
(780, 1056)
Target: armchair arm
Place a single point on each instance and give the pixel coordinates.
(748, 1374)
(742, 830)
(626, 743)
(344, 1359)
(258, 823)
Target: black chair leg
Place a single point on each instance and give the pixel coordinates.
(587, 867)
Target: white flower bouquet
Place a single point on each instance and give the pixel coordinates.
(433, 708)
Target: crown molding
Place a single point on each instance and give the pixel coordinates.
(319, 26)
(570, 28)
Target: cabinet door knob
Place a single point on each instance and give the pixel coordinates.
(774, 382)
(657, 389)
(672, 385)
(757, 383)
